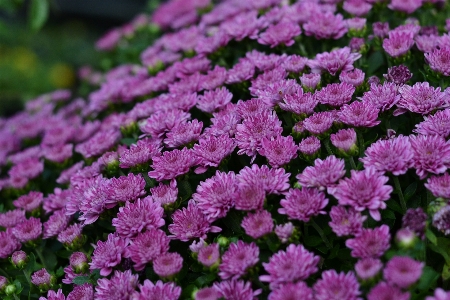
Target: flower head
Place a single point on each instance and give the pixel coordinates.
(359, 114)
(431, 154)
(368, 268)
(168, 264)
(337, 286)
(402, 271)
(370, 242)
(298, 290)
(258, 224)
(346, 221)
(303, 204)
(108, 254)
(120, 286)
(209, 255)
(337, 60)
(237, 259)
(439, 60)
(336, 94)
(158, 290)
(172, 164)
(280, 33)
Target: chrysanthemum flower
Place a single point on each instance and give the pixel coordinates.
(236, 289)
(354, 77)
(249, 197)
(337, 60)
(298, 290)
(383, 290)
(382, 96)
(120, 286)
(57, 222)
(165, 194)
(319, 122)
(299, 102)
(402, 271)
(278, 150)
(398, 43)
(8, 243)
(368, 268)
(108, 254)
(398, 75)
(11, 218)
(436, 124)
(408, 6)
(213, 100)
(346, 221)
(83, 291)
(158, 290)
(431, 154)
(370, 242)
(296, 263)
(416, 221)
(303, 204)
(28, 230)
(172, 164)
(309, 146)
(441, 219)
(344, 140)
(167, 264)
(359, 114)
(237, 259)
(439, 60)
(209, 255)
(183, 134)
(325, 25)
(211, 150)
(280, 33)
(420, 98)
(439, 186)
(335, 94)
(274, 181)
(258, 224)
(337, 286)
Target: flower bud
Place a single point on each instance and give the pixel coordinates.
(19, 259)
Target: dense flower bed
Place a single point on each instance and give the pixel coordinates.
(259, 149)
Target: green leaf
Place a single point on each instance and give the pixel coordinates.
(38, 13)
(431, 237)
(388, 214)
(410, 190)
(80, 280)
(205, 279)
(392, 204)
(59, 272)
(128, 141)
(313, 240)
(376, 60)
(428, 277)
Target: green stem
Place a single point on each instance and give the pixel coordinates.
(4, 273)
(321, 233)
(352, 162)
(41, 258)
(400, 193)
(15, 297)
(327, 146)
(361, 142)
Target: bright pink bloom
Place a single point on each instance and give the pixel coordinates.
(120, 286)
(385, 291)
(441, 219)
(382, 96)
(431, 154)
(28, 230)
(57, 222)
(165, 194)
(359, 114)
(249, 197)
(296, 263)
(439, 60)
(436, 124)
(368, 268)
(344, 140)
(298, 290)
(303, 204)
(183, 134)
(325, 25)
(299, 102)
(258, 224)
(346, 221)
(336, 286)
(162, 121)
(211, 150)
(172, 164)
(357, 7)
(160, 290)
(281, 33)
(8, 243)
(309, 145)
(245, 24)
(237, 259)
(11, 218)
(124, 188)
(279, 150)
(168, 264)
(274, 181)
(310, 81)
(354, 77)
(402, 271)
(209, 255)
(324, 173)
(108, 254)
(439, 186)
(370, 242)
(398, 43)
(284, 231)
(83, 291)
(335, 94)
(236, 289)
(337, 60)
(214, 100)
(319, 122)
(421, 98)
(101, 142)
(295, 63)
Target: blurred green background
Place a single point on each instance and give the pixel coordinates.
(42, 47)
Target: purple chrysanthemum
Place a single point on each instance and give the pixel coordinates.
(439, 186)
(385, 291)
(325, 25)
(441, 219)
(139, 216)
(211, 150)
(167, 264)
(354, 77)
(172, 164)
(420, 98)
(274, 181)
(83, 291)
(70, 234)
(236, 289)
(209, 255)
(298, 290)
(189, 223)
(346, 221)
(124, 188)
(108, 254)
(28, 230)
(30, 201)
(215, 195)
(299, 102)
(281, 33)
(436, 124)
(249, 197)
(99, 143)
(392, 155)
(370, 242)
(319, 122)
(165, 194)
(296, 263)
(359, 114)
(439, 60)
(408, 6)
(141, 152)
(402, 271)
(431, 154)
(11, 218)
(57, 222)
(416, 221)
(158, 291)
(303, 204)
(310, 81)
(344, 140)
(336, 94)
(284, 231)
(258, 224)
(325, 173)
(398, 75)
(214, 100)
(278, 150)
(162, 121)
(368, 268)
(365, 189)
(237, 259)
(337, 60)
(336, 286)
(183, 134)
(8, 243)
(121, 286)
(309, 145)
(439, 294)
(382, 96)
(398, 43)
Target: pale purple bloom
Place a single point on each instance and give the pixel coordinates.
(392, 155)
(344, 140)
(98, 144)
(325, 25)
(249, 196)
(359, 114)
(380, 29)
(296, 263)
(439, 186)
(251, 107)
(274, 181)
(236, 289)
(431, 154)
(172, 164)
(162, 121)
(214, 100)
(124, 188)
(281, 33)
(158, 291)
(309, 145)
(436, 124)
(78, 261)
(84, 291)
(245, 24)
(258, 224)
(337, 60)
(263, 61)
(71, 234)
(402, 271)
(421, 98)
(183, 134)
(146, 247)
(336, 286)
(274, 74)
(274, 92)
(108, 254)
(294, 63)
(298, 290)
(214, 78)
(209, 255)
(365, 189)
(41, 278)
(439, 60)
(57, 222)
(335, 94)
(211, 150)
(398, 43)
(250, 133)
(398, 75)
(357, 7)
(279, 150)
(19, 259)
(120, 286)
(354, 77)
(299, 102)
(215, 195)
(346, 221)
(368, 268)
(439, 294)
(319, 122)
(408, 6)
(441, 219)
(385, 291)
(382, 96)
(237, 259)
(310, 81)
(370, 242)
(28, 230)
(8, 243)
(28, 168)
(11, 218)
(165, 194)
(243, 70)
(428, 43)
(303, 204)
(189, 223)
(356, 44)
(167, 264)
(284, 231)
(136, 217)
(57, 153)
